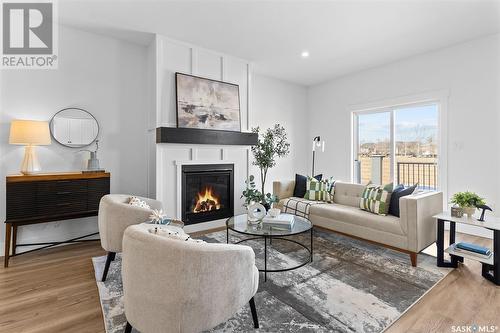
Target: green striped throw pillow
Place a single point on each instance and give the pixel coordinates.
(376, 198)
(318, 190)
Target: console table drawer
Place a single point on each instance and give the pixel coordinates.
(62, 188)
(62, 208)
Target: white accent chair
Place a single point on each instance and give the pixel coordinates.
(173, 285)
(115, 215)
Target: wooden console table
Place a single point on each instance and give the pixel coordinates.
(40, 198)
(490, 266)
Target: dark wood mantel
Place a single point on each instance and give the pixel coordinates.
(204, 136)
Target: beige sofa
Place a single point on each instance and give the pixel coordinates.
(412, 232)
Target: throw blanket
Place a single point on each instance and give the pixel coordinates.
(299, 206)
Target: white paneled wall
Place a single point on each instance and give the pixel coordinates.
(173, 56)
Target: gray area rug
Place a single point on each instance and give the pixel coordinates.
(351, 286)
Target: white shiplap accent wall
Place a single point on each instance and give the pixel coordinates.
(173, 56)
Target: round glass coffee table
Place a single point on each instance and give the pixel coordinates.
(239, 224)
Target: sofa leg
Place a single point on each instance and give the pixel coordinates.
(413, 258)
(254, 313)
(109, 259)
(128, 328)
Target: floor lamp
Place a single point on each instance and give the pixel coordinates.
(317, 143)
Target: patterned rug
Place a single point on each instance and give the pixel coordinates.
(351, 286)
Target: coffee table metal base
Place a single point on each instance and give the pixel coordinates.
(270, 237)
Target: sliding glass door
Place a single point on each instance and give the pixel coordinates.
(397, 144)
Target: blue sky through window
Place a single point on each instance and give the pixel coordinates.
(416, 123)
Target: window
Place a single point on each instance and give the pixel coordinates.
(397, 144)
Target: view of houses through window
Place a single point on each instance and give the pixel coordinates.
(398, 144)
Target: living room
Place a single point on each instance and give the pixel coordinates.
(320, 165)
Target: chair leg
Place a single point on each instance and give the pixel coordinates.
(109, 259)
(254, 313)
(128, 328)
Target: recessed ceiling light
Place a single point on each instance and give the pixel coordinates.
(305, 54)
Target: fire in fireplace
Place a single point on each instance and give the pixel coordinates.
(206, 201)
(207, 192)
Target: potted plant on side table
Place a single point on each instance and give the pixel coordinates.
(468, 201)
(271, 145)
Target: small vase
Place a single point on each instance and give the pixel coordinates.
(469, 211)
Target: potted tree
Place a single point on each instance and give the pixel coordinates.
(468, 201)
(272, 144)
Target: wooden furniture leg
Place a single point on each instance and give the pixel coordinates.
(14, 238)
(413, 258)
(8, 230)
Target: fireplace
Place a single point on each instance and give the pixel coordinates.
(207, 192)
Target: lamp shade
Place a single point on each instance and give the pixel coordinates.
(29, 132)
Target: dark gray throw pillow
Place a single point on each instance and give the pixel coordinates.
(399, 191)
(300, 185)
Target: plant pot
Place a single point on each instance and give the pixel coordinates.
(469, 211)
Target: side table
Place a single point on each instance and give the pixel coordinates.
(490, 266)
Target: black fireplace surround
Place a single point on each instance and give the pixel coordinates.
(207, 192)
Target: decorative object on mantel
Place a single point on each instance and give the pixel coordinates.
(317, 143)
(74, 127)
(29, 133)
(468, 201)
(271, 144)
(207, 104)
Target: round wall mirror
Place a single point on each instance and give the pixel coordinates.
(74, 127)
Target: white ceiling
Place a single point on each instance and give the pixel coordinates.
(341, 36)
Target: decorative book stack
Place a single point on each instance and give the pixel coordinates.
(281, 221)
(472, 249)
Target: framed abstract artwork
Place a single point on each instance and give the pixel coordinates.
(207, 104)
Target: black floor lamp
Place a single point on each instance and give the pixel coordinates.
(317, 143)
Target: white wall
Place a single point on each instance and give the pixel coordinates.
(103, 75)
(279, 102)
(470, 72)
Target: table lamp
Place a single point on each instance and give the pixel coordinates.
(30, 133)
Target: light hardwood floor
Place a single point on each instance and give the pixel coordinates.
(55, 291)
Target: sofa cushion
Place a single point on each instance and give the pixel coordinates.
(297, 206)
(318, 190)
(398, 193)
(354, 215)
(300, 185)
(347, 193)
(376, 199)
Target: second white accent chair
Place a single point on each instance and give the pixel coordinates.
(175, 286)
(115, 215)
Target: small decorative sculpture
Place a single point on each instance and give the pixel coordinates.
(158, 217)
(93, 162)
(484, 208)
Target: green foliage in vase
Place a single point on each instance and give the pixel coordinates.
(467, 199)
(251, 194)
